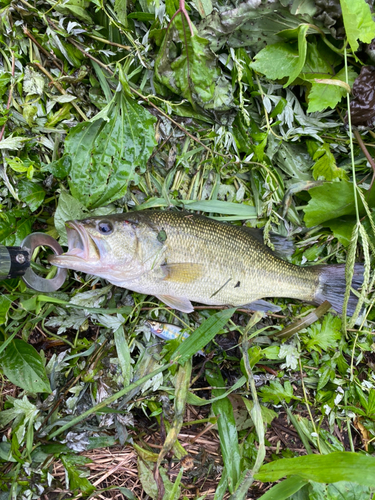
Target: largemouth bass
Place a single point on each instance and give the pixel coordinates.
(179, 258)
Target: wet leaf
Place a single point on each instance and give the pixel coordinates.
(24, 367)
(105, 152)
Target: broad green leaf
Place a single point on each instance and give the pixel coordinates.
(277, 61)
(5, 303)
(325, 165)
(15, 225)
(332, 200)
(105, 152)
(204, 7)
(358, 22)
(277, 393)
(342, 490)
(285, 489)
(194, 73)
(227, 428)
(76, 477)
(31, 193)
(24, 367)
(330, 468)
(324, 95)
(68, 208)
(202, 335)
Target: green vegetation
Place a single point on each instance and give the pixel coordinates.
(241, 111)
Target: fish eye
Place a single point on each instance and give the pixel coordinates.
(105, 227)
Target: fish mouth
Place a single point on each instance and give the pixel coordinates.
(82, 249)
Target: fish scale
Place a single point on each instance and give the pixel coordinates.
(180, 257)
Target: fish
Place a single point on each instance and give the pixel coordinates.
(181, 258)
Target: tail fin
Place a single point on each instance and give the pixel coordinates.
(332, 286)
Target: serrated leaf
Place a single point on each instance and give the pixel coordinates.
(330, 468)
(324, 95)
(105, 152)
(325, 335)
(277, 61)
(358, 22)
(24, 367)
(77, 479)
(325, 165)
(31, 193)
(277, 393)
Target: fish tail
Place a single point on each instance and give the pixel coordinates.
(332, 285)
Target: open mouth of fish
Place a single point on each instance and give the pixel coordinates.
(81, 248)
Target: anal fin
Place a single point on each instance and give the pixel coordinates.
(179, 303)
(262, 305)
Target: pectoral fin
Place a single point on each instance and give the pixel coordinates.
(262, 305)
(179, 303)
(182, 273)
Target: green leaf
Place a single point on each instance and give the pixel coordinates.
(24, 367)
(358, 22)
(194, 73)
(120, 9)
(15, 225)
(227, 428)
(123, 354)
(342, 490)
(77, 8)
(285, 489)
(342, 228)
(325, 336)
(325, 166)
(105, 152)
(276, 393)
(277, 61)
(222, 207)
(31, 193)
(77, 479)
(330, 468)
(68, 208)
(302, 50)
(202, 335)
(324, 95)
(332, 200)
(5, 303)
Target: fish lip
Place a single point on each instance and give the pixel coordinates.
(81, 247)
